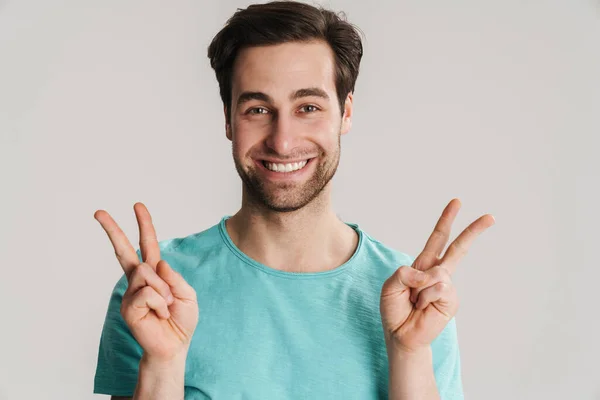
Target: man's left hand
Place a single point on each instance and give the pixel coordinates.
(418, 301)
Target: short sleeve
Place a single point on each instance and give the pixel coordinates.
(446, 363)
(119, 353)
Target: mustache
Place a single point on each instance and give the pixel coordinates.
(295, 155)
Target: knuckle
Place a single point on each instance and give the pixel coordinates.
(440, 287)
(400, 270)
(118, 254)
(148, 240)
(146, 292)
(136, 271)
(164, 286)
(441, 274)
(459, 246)
(438, 233)
(142, 271)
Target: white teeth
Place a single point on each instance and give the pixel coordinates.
(285, 167)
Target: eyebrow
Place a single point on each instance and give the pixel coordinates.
(306, 92)
(247, 96)
(314, 92)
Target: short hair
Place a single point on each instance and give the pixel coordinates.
(279, 22)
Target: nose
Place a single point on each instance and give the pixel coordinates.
(282, 138)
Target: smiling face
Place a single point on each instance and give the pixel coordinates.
(285, 122)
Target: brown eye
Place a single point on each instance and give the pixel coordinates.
(309, 108)
(257, 110)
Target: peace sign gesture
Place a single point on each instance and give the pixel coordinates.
(159, 306)
(417, 302)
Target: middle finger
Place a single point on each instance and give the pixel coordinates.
(148, 241)
(429, 257)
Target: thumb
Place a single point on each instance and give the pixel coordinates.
(179, 287)
(410, 277)
(403, 279)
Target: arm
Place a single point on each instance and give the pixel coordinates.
(161, 380)
(159, 310)
(417, 304)
(411, 375)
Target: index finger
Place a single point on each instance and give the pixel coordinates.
(148, 241)
(123, 249)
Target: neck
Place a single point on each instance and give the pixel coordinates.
(311, 239)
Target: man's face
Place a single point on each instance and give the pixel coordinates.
(286, 122)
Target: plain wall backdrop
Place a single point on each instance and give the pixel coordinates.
(105, 103)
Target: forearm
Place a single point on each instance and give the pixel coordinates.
(411, 375)
(161, 380)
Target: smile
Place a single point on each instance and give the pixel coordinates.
(289, 167)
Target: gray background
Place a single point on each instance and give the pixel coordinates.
(105, 103)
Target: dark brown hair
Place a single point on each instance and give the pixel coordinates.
(286, 21)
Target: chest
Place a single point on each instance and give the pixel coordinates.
(267, 346)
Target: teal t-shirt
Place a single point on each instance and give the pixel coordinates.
(269, 334)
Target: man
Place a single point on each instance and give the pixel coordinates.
(283, 300)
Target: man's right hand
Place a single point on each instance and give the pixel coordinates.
(159, 306)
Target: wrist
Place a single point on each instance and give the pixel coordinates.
(395, 346)
(411, 373)
(399, 352)
(174, 362)
(160, 378)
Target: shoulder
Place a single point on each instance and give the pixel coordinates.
(194, 243)
(386, 258)
(383, 252)
(185, 252)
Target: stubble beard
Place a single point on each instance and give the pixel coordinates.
(286, 197)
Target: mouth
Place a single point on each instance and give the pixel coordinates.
(285, 168)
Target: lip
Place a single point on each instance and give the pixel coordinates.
(286, 161)
(284, 176)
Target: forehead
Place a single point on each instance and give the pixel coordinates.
(282, 68)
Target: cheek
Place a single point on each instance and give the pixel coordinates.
(327, 132)
(323, 128)
(251, 130)
(243, 138)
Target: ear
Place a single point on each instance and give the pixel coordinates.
(347, 117)
(227, 124)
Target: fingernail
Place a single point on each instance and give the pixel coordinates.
(170, 299)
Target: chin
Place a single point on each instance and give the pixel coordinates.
(285, 197)
(287, 202)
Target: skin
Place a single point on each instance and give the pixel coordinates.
(418, 301)
(159, 307)
(286, 222)
(280, 218)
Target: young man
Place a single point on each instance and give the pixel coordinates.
(283, 300)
